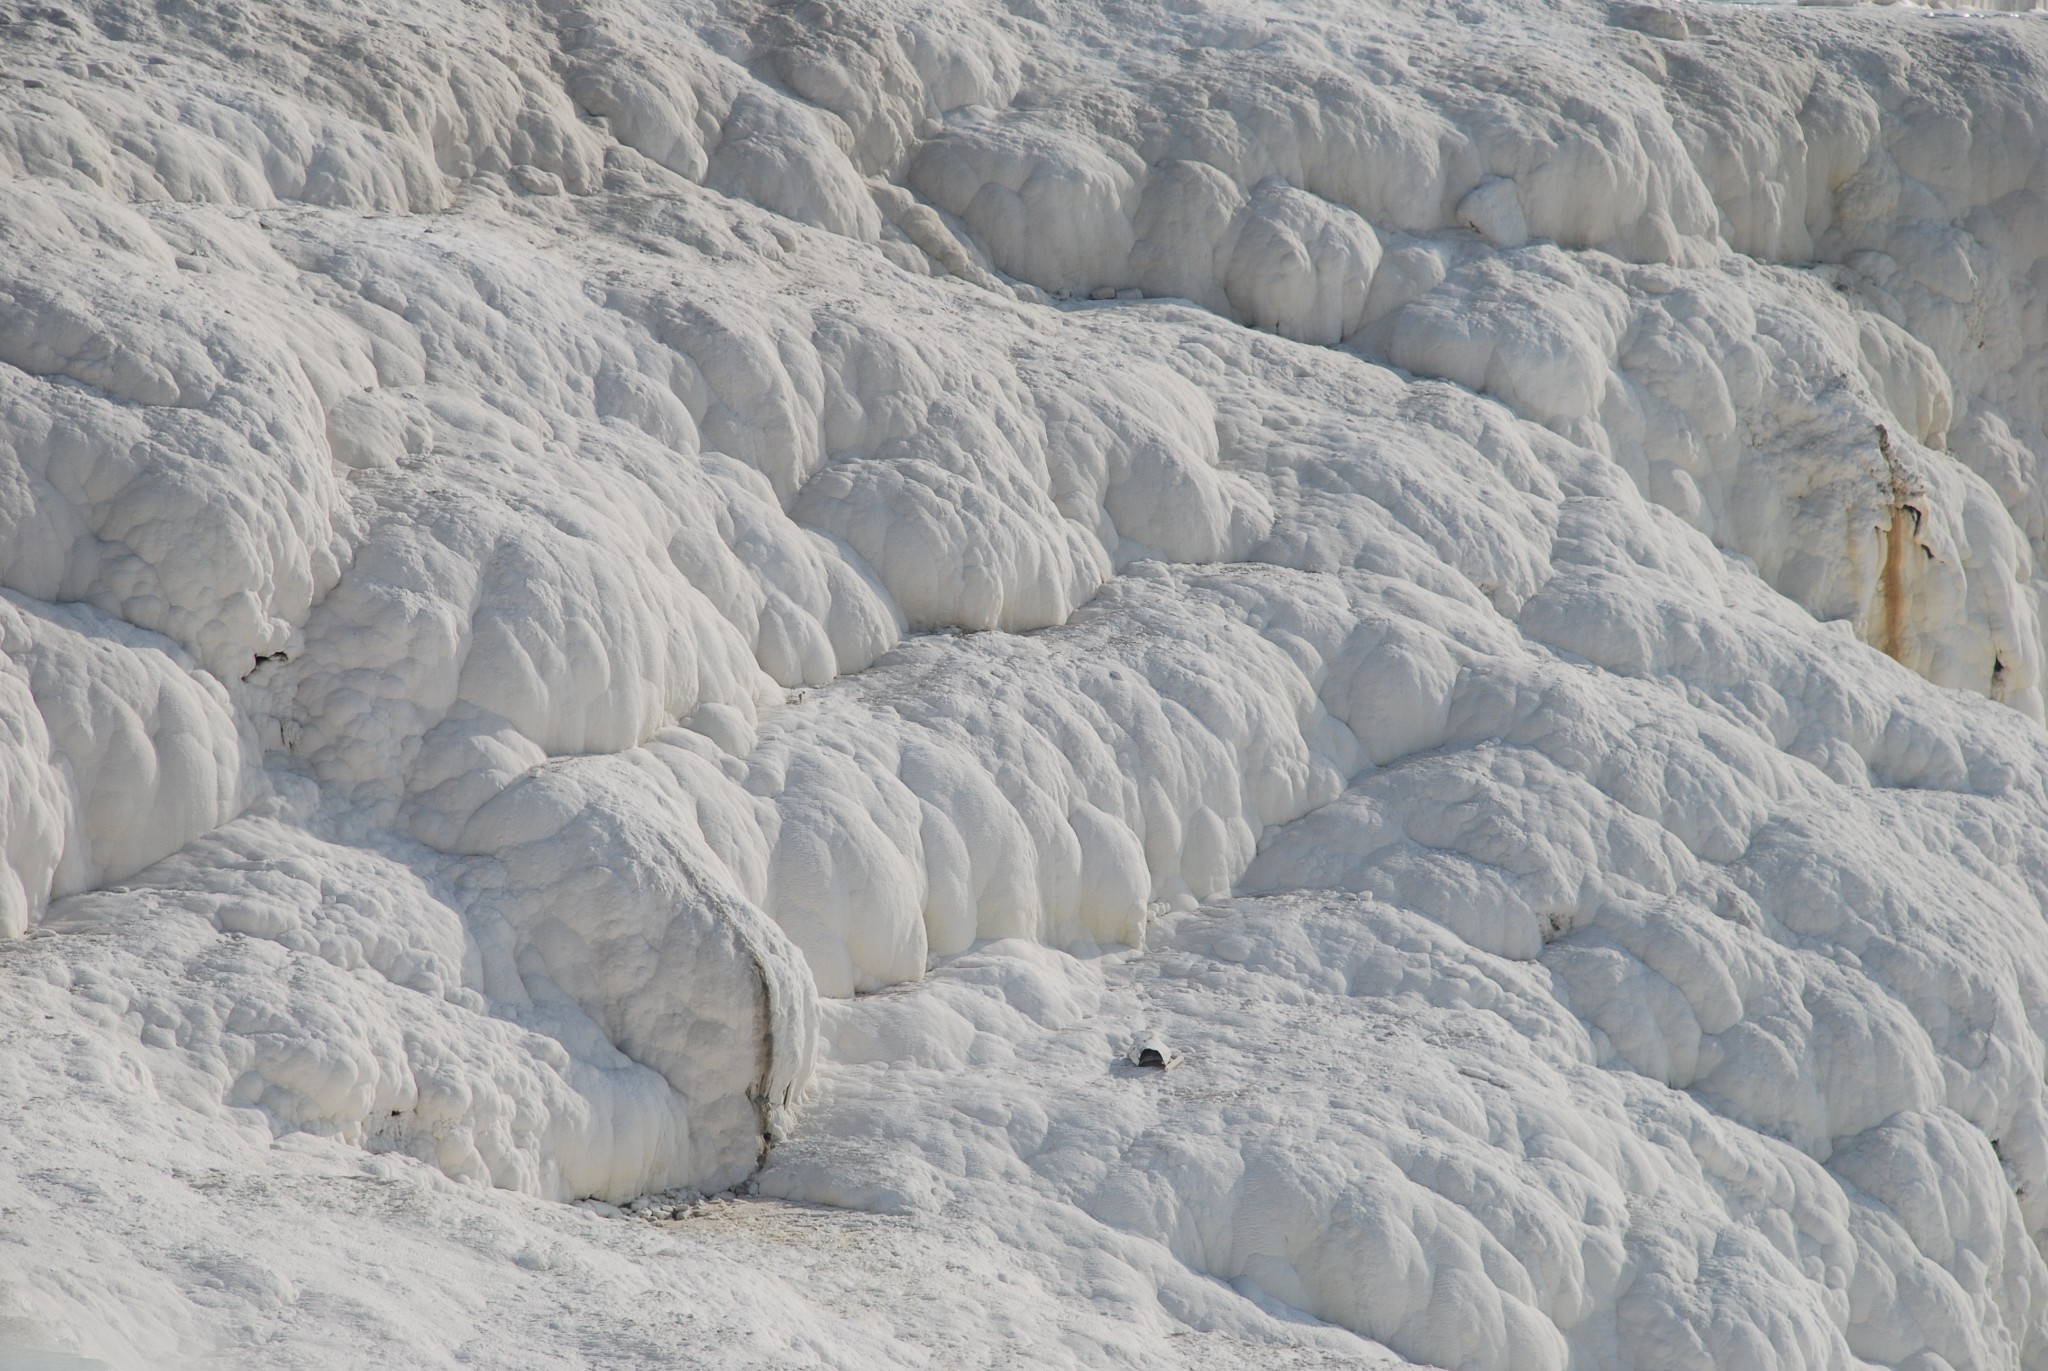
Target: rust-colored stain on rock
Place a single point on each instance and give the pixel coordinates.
(1890, 637)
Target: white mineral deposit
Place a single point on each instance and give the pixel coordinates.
(644, 643)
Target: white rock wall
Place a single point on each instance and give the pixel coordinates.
(546, 550)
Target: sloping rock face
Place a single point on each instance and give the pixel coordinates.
(611, 599)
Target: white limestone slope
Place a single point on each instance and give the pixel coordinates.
(647, 597)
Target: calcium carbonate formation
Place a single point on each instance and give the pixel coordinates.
(638, 597)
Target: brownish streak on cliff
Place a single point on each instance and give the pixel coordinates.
(1899, 543)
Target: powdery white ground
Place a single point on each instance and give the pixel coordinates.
(602, 604)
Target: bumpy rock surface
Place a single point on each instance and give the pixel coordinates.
(628, 599)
